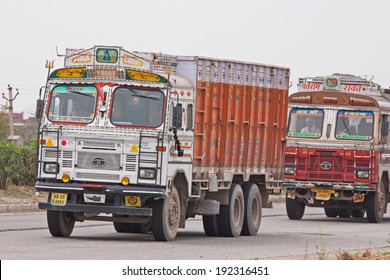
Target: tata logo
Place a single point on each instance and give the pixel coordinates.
(99, 162)
(325, 165)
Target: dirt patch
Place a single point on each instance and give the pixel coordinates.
(20, 194)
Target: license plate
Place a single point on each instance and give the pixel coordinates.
(59, 199)
(94, 198)
(323, 194)
(134, 201)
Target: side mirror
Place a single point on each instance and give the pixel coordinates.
(177, 116)
(39, 109)
(385, 129)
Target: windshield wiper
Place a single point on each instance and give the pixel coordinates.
(143, 96)
(80, 93)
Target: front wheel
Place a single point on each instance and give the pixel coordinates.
(376, 204)
(295, 208)
(253, 205)
(166, 217)
(61, 223)
(330, 212)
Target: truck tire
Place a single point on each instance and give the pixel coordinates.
(295, 208)
(121, 227)
(330, 212)
(344, 213)
(231, 217)
(358, 213)
(376, 204)
(211, 225)
(140, 228)
(166, 217)
(252, 215)
(61, 223)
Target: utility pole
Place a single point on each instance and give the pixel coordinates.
(10, 100)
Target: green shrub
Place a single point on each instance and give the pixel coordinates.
(17, 164)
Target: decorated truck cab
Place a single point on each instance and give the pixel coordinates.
(337, 154)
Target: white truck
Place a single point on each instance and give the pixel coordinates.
(148, 140)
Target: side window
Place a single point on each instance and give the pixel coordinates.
(384, 130)
(190, 123)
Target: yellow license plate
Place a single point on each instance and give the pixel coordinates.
(59, 199)
(323, 194)
(134, 201)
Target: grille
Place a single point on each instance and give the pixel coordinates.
(130, 163)
(99, 144)
(97, 176)
(334, 173)
(107, 161)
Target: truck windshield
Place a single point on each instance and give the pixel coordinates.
(354, 125)
(72, 104)
(137, 107)
(305, 123)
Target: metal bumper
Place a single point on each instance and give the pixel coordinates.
(159, 192)
(292, 185)
(116, 193)
(119, 210)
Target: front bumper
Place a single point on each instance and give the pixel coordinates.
(114, 198)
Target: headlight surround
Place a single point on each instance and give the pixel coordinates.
(289, 170)
(363, 174)
(145, 173)
(50, 167)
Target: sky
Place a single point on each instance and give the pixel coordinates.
(310, 37)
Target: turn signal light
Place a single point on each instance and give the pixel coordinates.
(161, 148)
(65, 178)
(125, 181)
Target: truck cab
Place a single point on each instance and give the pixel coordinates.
(337, 146)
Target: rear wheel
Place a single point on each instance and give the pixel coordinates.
(376, 204)
(166, 217)
(330, 212)
(231, 216)
(211, 225)
(344, 213)
(253, 204)
(295, 208)
(358, 213)
(61, 223)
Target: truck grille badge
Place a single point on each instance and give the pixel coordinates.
(98, 162)
(325, 165)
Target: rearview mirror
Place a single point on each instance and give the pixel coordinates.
(177, 116)
(39, 109)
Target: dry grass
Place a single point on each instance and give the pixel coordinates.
(20, 194)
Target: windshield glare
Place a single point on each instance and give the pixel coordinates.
(305, 123)
(137, 107)
(354, 125)
(72, 104)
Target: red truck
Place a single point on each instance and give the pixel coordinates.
(338, 155)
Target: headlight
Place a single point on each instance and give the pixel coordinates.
(289, 170)
(363, 174)
(50, 167)
(147, 173)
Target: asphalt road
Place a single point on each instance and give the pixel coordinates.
(25, 236)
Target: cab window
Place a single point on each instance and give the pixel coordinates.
(305, 123)
(137, 107)
(74, 104)
(354, 125)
